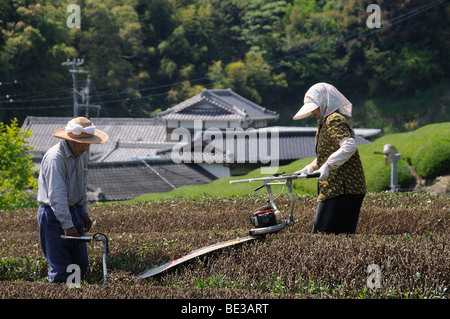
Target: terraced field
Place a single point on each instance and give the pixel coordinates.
(405, 235)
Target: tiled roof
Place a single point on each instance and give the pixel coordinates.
(127, 180)
(118, 129)
(114, 167)
(291, 144)
(218, 105)
(132, 150)
(146, 138)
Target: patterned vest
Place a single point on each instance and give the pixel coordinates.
(348, 178)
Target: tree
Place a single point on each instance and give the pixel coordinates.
(260, 25)
(252, 78)
(145, 55)
(17, 182)
(401, 71)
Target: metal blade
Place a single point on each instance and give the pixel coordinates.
(198, 252)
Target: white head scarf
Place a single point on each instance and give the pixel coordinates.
(327, 98)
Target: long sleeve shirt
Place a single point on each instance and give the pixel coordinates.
(63, 182)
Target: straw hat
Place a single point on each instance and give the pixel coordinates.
(81, 130)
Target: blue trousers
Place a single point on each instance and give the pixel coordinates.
(61, 253)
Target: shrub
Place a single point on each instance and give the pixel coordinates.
(432, 159)
(16, 168)
(427, 149)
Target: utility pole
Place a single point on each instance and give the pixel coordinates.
(86, 92)
(74, 64)
(86, 98)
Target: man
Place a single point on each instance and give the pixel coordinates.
(62, 189)
(342, 184)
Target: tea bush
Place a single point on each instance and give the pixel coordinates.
(432, 159)
(406, 234)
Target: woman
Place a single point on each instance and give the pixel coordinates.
(341, 185)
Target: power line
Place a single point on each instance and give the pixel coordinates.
(44, 107)
(297, 56)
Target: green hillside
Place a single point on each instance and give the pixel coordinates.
(427, 149)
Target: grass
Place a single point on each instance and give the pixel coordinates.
(222, 187)
(377, 173)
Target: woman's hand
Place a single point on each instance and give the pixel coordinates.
(324, 171)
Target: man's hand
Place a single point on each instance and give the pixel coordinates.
(71, 232)
(87, 222)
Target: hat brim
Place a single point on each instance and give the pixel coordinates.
(305, 110)
(98, 138)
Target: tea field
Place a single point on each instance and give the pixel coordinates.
(405, 235)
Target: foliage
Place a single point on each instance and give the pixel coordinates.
(17, 182)
(145, 55)
(432, 159)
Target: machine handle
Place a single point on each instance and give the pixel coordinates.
(271, 178)
(103, 238)
(81, 238)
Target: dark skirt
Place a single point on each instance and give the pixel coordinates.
(338, 215)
